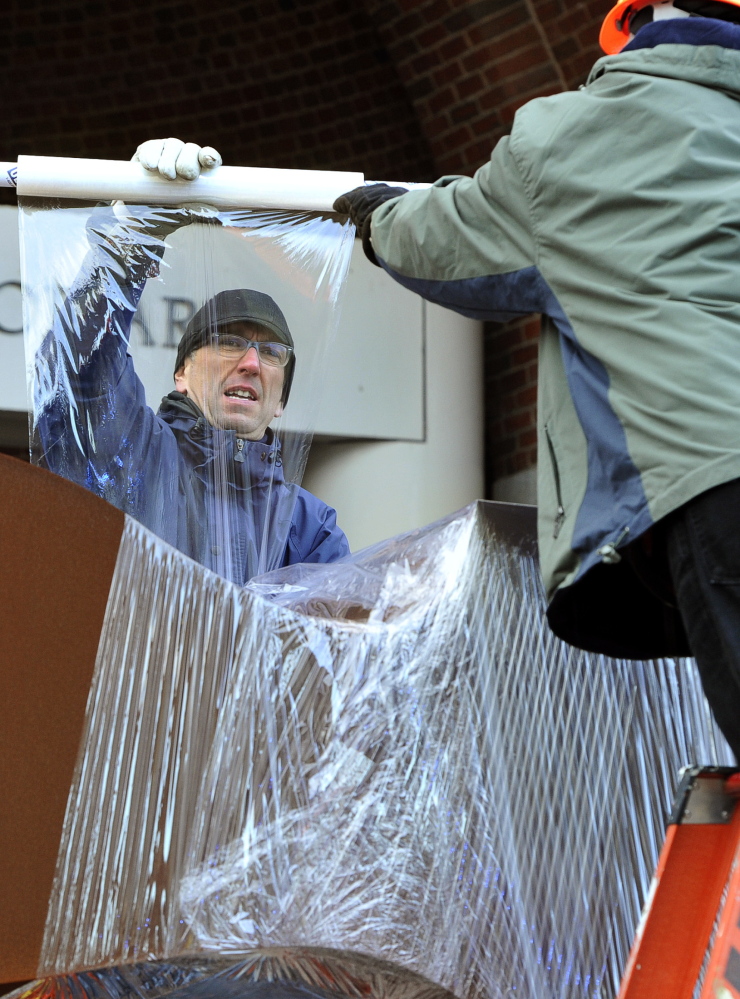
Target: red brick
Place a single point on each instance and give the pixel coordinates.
(448, 73)
(510, 42)
(562, 50)
(548, 11)
(403, 49)
(506, 446)
(453, 48)
(431, 36)
(410, 24)
(510, 18)
(494, 97)
(524, 60)
(470, 85)
(523, 355)
(581, 64)
(486, 126)
(463, 112)
(436, 128)
(507, 337)
(514, 380)
(424, 63)
(441, 100)
(520, 421)
(527, 397)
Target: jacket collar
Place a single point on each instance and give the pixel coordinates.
(177, 404)
(185, 417)
(698, 50)
(686, 31)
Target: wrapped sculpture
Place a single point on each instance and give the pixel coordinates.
(381, 778)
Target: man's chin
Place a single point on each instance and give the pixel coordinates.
(244, 428)
(244, 424)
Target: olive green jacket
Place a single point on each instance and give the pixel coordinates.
(614, 211)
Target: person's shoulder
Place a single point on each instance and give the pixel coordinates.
(539, 122)
(315, 535)
(310, 511)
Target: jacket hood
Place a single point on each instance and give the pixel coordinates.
(697, 50)
(177, 403)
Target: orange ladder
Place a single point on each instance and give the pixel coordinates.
(699, 860)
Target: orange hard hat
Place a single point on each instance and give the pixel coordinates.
(615, 31)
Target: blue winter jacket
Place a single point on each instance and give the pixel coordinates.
(220, 499)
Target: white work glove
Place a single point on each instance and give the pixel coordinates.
(172, 158)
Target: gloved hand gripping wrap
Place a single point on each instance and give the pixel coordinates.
(137, 242)
(360, 204)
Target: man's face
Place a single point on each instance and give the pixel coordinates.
(241, 395)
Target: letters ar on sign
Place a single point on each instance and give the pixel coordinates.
(178, 312)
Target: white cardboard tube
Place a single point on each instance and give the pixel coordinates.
(233, 187)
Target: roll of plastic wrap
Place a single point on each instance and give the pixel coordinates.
(237, 187)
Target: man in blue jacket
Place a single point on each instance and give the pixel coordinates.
(205, 472)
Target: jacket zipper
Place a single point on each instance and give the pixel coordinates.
(560, 517)
(239, 456)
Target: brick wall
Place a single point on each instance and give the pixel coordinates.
(466, 67)
(511, 396)
(286, 83)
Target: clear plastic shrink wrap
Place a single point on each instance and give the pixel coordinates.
(383, 778)
(108, 293)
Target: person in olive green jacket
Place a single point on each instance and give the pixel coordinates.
(614, 211)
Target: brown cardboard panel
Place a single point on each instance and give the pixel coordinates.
(58, 546)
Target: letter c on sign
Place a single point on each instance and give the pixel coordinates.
(4, 308)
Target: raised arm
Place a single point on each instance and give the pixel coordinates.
(92, 423)
(87, 397)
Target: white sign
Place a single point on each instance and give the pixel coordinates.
(369, 383)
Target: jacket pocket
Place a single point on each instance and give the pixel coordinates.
(560, 512)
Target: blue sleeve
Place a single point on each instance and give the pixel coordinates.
(92, 424)
(314, 534)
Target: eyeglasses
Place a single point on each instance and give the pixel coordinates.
(233, 348)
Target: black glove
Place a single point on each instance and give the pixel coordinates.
(360, 204)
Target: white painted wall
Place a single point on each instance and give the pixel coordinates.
(383, 488)
(12, 360)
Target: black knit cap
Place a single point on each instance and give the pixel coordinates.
(238, 305)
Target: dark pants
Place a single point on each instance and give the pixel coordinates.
(701, 546)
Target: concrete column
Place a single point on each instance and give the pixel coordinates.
(384, 488)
